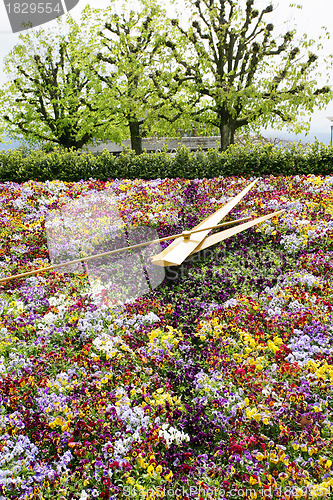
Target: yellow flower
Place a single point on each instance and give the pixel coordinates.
(141, 462)
(250, 413)
(299, 493)
(274, 458)
(151, 470)
(169, 477)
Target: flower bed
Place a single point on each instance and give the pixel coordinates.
(218, 384)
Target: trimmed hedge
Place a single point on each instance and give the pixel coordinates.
(17, 166)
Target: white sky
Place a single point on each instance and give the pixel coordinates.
(310, 19)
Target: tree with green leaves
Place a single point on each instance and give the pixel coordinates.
(52, 95)
(245, 76)
(135, 71)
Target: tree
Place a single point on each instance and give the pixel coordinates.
(243, 75)
(53, 92)
(136, 71)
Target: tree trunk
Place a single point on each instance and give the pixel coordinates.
(68, 143)
(68, 140)
(227, 132)
(136, 139)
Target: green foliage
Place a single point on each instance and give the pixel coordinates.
(61, 165)
(241, 72)
(138, 74)
(134, 68)
(252, 160)
(52, 88)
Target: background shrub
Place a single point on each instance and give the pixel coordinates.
(67, 165)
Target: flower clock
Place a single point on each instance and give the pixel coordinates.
(199, 366)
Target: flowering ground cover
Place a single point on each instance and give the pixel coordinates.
(217, 384)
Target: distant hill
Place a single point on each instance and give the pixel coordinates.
(304, 139)
(270, 135)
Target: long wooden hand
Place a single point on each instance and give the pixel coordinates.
(181, 248)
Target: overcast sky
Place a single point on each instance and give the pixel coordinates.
(310, 19)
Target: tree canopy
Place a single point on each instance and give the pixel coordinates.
(138, 73)
(136, 70)
(53, 91)
(244, 75)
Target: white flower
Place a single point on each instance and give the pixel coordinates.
(296, 306)
(290, 358)
(172, 435)
(50, 318)
(230, 303)
(266, 392)
(151, 317)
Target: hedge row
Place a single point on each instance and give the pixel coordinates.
(16, 166)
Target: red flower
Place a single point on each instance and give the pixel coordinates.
(105, 494)
(114, 465)
(235, 448)
(226, 485)
(253, 440)
(106, 481)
